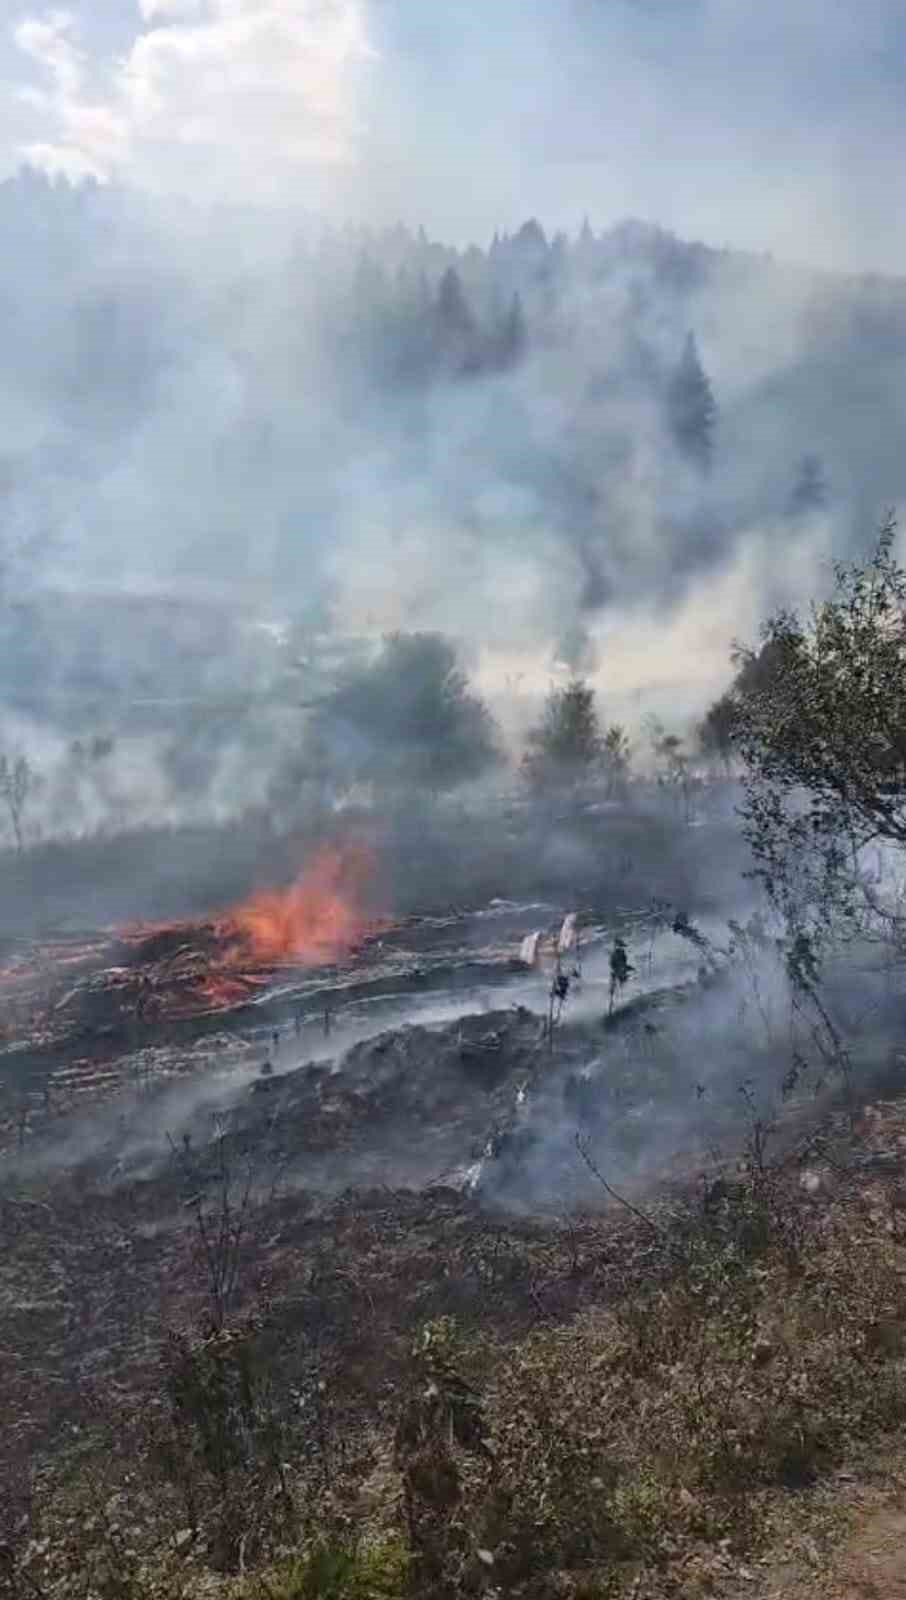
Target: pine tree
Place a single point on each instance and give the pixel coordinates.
(453, 314)
(559, 255)
(532, 237)
(370, 284)
(371, 303)
(809, 491)
(412, 316)
(692, 411)
(456, 334)
(513, 334)
(585, 245)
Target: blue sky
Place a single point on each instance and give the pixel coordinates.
(778, 126)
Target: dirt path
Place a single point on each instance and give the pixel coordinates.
(867, 1563)
(875, 1562)
(871, 1566)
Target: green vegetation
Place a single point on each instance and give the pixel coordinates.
(691, 408)
(566, 746)
(409, 719)
(821, 729)
(373, 1571)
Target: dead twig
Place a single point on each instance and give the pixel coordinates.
(599, 1176)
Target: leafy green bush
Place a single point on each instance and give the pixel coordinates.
(376, 1571)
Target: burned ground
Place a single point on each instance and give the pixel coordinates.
(395, 1148)
(695, 1299)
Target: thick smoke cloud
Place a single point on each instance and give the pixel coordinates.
(216, 447)
(234, 427)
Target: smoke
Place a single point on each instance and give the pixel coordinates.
(727, 119)
(214, 451)
(226, 408)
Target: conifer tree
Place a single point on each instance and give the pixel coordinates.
(809, 491)
(513, 334)
(456, 335)
(692, 411)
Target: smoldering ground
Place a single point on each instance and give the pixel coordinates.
(444, 1078)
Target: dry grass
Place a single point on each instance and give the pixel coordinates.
(710, 1372)
(670, 1421)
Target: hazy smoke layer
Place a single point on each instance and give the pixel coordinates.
(238, 448)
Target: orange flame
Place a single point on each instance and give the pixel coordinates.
(319, 919)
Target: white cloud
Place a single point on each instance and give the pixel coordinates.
(741, 121)
(222, 92)
(155, 10)
(48, 41)
(58, 161)
(85, 139)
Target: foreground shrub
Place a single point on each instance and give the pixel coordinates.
(376, 1571)
(669, 1417)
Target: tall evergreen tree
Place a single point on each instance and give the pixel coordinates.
(513, 335)
(559, 255)
(455, 330)
(532, 237)
(585, 247)
(691, 408)
(454, 316)
(413, 311)
(809, 491)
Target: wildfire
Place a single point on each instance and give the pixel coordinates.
(320, 918)
(154, 971)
